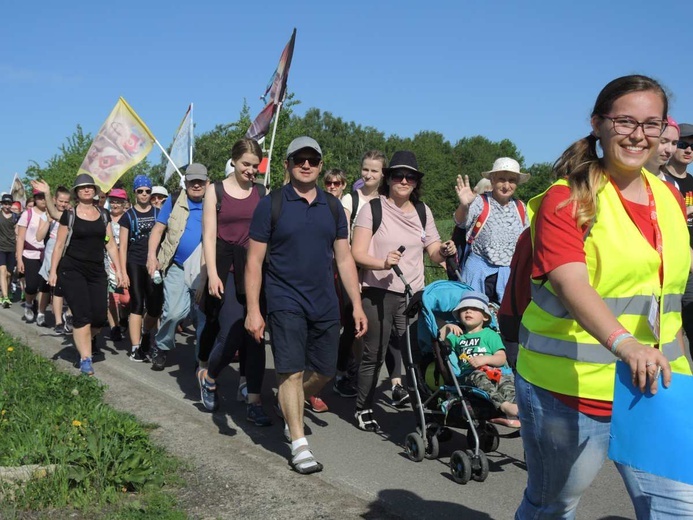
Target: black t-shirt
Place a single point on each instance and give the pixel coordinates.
(686, 189)
(139, 225)
(88, 238)
(7, 233)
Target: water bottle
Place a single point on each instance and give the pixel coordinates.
(157, 279)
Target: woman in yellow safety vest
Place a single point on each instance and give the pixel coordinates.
(610, 248)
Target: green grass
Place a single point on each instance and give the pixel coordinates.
(106, 460)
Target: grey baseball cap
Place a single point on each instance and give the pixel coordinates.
(303, 142)
(686, 130)
(196, 172)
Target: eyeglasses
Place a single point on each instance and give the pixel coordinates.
(116, 202)
(412, 178)
(624, 125)
(333, 183)
(682, 145)
(157, 196)
(300, 161)
(140, 192)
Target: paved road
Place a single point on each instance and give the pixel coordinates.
(240, 471)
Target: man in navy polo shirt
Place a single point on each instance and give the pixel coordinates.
(302, 306)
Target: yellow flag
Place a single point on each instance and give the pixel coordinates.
(122, 142)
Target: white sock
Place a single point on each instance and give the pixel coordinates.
(134, 348)
(298, 443)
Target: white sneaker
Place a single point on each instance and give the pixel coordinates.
(40, 319)
(28, 314)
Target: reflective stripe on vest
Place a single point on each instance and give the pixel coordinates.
(637, 305)
(585, 352)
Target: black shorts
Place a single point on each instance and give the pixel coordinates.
(8, 259)
(299, 344)
(34, 281)
(144, 293)
(86, 291)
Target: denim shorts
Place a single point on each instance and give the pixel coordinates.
(300, 344)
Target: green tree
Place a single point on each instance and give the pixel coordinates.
(476, 154)
(542, 177)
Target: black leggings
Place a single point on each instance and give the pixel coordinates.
(85, 285)
(232, 336)
(144, 292)
(34, 281)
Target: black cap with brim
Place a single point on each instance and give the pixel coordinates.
(83, 179)
(686, 130)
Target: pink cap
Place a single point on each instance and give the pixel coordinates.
(118, 193)
(671, 122)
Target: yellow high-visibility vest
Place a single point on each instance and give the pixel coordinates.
(556, 353)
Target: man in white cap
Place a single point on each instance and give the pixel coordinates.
(304, 230)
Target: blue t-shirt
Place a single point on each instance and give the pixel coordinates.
(299, 277)
(192, 236)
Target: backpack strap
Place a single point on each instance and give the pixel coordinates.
(261, 189)
(134, 227)
(521, 211)
(354, 207)
(335, 208)
(421, 210)
(70, 227)
(276, 201)
(481, 219)
(377, 211)
(219, 192)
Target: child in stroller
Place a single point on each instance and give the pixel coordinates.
(478, 355)
(440, 400)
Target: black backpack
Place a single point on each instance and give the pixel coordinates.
(377, 210)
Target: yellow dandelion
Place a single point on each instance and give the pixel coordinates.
(10, 349)
(3, 412)
(76, 423)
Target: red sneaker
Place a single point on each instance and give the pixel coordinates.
(316, 404)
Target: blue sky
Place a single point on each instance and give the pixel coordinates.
(526, 71)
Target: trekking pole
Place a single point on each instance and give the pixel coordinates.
(408, 295)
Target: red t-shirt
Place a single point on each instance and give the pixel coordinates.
(558, 241)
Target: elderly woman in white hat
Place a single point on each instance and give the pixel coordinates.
(493, 222)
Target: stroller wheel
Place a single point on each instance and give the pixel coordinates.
(414, 446)
(433, 447)
(489, 438)
(461, 467)
(479, 465)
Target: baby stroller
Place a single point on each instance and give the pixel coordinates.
(448, 404)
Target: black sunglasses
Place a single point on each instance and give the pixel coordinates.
(300, 161)
(682, 145)
(140, 192)
(412, 178)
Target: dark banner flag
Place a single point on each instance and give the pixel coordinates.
(276, 89)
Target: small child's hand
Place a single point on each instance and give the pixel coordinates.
(447, 329)
(477, 361)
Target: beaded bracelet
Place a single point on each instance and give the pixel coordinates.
(619, 339)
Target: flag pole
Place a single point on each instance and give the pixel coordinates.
(169, 159)
(192, 126)
(269, 154)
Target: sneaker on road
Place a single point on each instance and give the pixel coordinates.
(365, 421)
(29, 316)
(400, 397)
(6, 303)
(316, 404)
(41, 319)
(59, 329)
(158, 358)
(86, 367)
(344, 387)
(137, 356)
(208, 391)
(256, 414)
